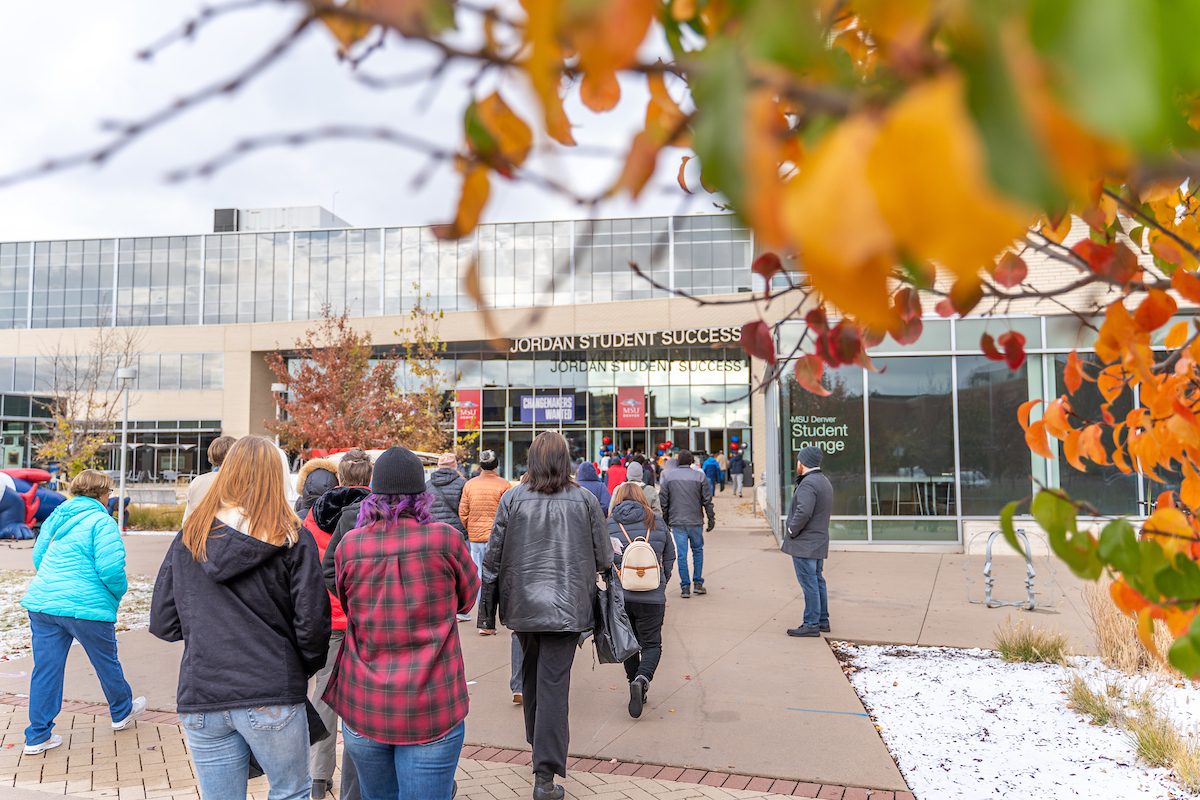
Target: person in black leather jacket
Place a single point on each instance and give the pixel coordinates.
(548, 543)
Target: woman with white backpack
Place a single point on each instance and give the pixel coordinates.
(645, 558)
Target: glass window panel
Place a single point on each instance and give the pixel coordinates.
(912, 437)
(935, 335)
(917, 530)
(848, 530)
(835, 424)
(969, 331)
(993, 457)
(191, 371)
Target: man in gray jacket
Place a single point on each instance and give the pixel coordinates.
(686, 498)
(806, 539)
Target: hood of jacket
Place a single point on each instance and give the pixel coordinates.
(230, 553)
(586, 472)
(74, 511)
(444, 476)
(629, 512)
(317, 476)
(329, 506)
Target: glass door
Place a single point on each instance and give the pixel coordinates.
(699, 440)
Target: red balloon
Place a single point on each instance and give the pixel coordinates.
(668, 445)
(606, 440)
(733, 446)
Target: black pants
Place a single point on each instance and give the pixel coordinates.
(647, 621)
(548, 658)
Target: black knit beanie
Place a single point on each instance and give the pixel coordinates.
(810, 456)
(398, 471)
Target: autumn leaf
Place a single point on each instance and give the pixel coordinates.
(757, 341)
(1073, 372)
(680, 178)
(1177, 336)
(844, 242)
(475, 190)
(1013, 345)
(965, 294)
(1035, 438)
(607, 37)
(1155, 311)
(808, 371)
(545, 63)
(1187, 284)
(957, 220)
(639, 165)
(768, 266)
(987, 343)
(1011, 270)
(511, 137)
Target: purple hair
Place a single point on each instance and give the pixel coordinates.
(389, 508)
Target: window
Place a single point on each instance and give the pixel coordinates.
(835, 424)
(993, 457)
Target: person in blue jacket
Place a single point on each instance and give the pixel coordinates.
(586, 477)
(712, 472)
(80, 563)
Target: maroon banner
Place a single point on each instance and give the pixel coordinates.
(468, 409)
(631, 407)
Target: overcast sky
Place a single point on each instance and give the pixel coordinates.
(69, 66)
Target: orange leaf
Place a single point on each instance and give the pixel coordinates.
(607, 36)
(1189, 489)
(1073, 373)
(545, 63)
(965, 294)
(680, 177)
(1091, 444)
(1056, 232)
(1187, 284)
(1177, 335)
(809, 370)
(475, 191)
(683, 10)
(1024, 410)
(1126, 598)
(639, 165)
(1155, 311)
(1035, 437)
(1057, 422)
(1145, 629)
(1170, 528)
(513, 136)
(1070, 445)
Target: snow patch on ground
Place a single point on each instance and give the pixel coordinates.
(14, 620)
(964, 724)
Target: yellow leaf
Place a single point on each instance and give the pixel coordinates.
(346, 29)
(929, 177)
(663, 116)
(1170, 528)
(834, 220)
(544, 64)
(639, 165)
(1145, 629)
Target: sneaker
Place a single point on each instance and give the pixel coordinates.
(463, 617)
(320, 788)
(637, 696)
(139, 708)
(34, 749)
(518, 698)
(700, 589)
(487, 631)
(804, 631)
(546, 789)
(824, 627)
(685, 592)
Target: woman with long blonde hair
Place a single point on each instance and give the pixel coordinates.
(241, 586)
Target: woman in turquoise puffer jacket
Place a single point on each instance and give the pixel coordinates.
(80, 563)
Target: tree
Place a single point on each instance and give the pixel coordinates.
(85, 398)
(898, 154)
(342, 393)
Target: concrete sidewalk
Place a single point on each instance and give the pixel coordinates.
(733, 692)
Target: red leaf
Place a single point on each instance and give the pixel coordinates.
(907, 332)
(768, 265)
(808, 374)
(817, 321)
(908, 304)
(1094, 254)
(1011, 270)
(1013, 343)
(757, 341)
(845, 343)
(945, 308)
(988, 345)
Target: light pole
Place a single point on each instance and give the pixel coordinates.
(125, 375)
(278, 390)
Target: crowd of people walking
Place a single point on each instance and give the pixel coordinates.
(341, 609)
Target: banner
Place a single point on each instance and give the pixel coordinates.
(467, 409)
(547, 408)
(631, 407)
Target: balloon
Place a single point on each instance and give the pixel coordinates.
(668, 444)
(606, 440)
(733, 438)
(733, 446)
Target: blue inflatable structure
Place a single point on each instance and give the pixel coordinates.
(24, 502)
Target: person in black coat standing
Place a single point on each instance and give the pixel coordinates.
(631, 519)
(548, 543)
(806, 539)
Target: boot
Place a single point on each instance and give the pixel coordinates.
(638, 689)
(544, 788)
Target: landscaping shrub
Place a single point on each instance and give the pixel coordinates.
(1100, 706)
(1116, 635)
(155, 518)
(1154, 738)
(1022, 643)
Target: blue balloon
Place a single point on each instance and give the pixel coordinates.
(734, 439)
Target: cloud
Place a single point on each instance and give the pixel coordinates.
(71, 66)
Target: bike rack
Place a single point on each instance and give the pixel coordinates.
(989, 580)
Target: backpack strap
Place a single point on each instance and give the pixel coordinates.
(625, 532)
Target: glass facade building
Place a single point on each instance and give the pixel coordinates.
(228, 278)
(926, 448)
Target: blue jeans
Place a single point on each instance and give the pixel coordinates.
(812, 581)
(693, 536)
(52, 637)
(516, 680)
(477, 551)
(222, 741)
(405, 772)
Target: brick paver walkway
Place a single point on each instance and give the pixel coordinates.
(151, 761)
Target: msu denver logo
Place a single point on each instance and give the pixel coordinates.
(631, 402)
(467, 404)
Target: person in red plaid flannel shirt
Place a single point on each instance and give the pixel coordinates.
(399, 684)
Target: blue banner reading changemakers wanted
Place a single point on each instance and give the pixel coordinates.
(547, 408)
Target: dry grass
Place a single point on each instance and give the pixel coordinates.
(155, 518)
(1101, 707)
(1020, 642)
(1116, 635)
(1154, 737)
